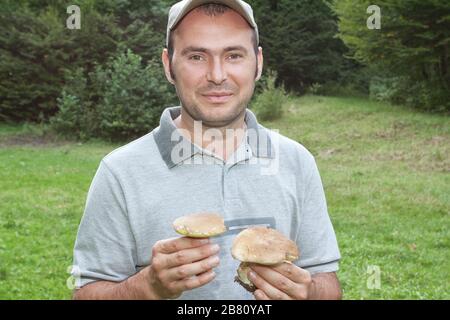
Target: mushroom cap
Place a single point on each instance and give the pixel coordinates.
(200, 225)
(263, 246)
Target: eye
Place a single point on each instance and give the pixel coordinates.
(196, 57)
(235, 56)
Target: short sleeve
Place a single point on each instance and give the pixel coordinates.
(105, 248)
(319, 251)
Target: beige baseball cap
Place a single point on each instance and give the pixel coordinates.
(180, 9)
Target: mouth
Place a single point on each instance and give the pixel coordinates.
(218, 98)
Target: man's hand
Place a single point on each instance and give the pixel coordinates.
(181, 264)
(287, 281)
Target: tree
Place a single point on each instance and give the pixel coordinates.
(298, 38)
(35, 51)
(411, 48)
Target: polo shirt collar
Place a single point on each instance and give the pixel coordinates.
(257, 138)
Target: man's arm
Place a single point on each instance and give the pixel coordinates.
(134, 288)
(325, 286)
(178, 265)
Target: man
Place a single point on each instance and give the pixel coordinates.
(211, 155)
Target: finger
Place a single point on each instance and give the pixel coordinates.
(192, 269)
(277, 280)
(172, 245)
(270, 291)
(260, 295)
(190, 255)
(194, 282)
(293, 272)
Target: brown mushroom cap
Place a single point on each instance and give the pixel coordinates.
(200, 225)
(263, 246)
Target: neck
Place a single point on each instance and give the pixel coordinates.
(222, 141)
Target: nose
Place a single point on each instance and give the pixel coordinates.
(216, 72)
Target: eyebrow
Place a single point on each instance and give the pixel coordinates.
(189, 49)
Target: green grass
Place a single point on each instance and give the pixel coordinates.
(385, 171)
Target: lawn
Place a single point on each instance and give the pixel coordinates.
(385, 171)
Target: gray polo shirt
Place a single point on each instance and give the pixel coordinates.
(140, 188)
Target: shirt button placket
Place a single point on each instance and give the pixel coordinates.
(231, 198)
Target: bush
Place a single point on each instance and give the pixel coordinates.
(133, 97)
(122, 100)
(268, 105)
(76, 117)
(70, 116)
(314, 89)
(417, 94)
(261, 84)
(337, 89)
(354, 82)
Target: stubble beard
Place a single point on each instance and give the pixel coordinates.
(196, 113)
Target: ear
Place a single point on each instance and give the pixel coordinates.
(166, 64)
(260, 60)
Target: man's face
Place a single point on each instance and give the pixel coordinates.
(214, 55)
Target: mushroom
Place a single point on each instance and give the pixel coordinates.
(261, 245)
(200, 225)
